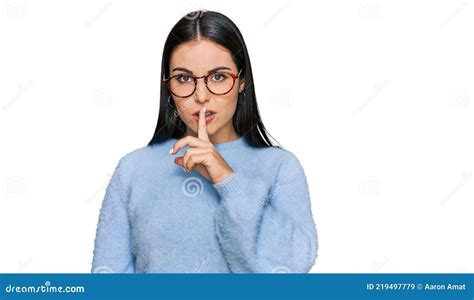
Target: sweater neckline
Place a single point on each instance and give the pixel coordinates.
(239, 142)
(230, 144)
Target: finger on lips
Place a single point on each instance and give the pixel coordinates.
(202, 129)
(201, 143)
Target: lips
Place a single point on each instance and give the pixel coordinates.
(209, 112)
(210, 115)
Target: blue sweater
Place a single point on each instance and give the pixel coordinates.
(156, 218)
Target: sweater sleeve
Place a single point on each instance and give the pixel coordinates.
(112, 251)
(265, 229)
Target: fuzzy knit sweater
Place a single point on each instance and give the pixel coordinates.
(157, 218)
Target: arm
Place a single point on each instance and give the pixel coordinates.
(112, 252)
(262, 230)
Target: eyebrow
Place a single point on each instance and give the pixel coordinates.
(208, 72)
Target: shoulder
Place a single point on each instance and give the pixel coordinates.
(288, 171)
(278, 157)
(141, 158)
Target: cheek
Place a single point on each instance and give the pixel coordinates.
(227, 109)
(184, 107)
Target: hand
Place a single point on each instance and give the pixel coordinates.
(202, 155)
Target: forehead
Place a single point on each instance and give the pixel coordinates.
(201, 56)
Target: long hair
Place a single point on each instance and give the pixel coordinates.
(220, 29)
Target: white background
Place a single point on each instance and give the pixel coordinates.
(374, 98)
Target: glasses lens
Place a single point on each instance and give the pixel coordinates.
(182, 85)
(217, 83)
(220, 83)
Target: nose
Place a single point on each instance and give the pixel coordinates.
(201, 94)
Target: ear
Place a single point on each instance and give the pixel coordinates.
(241, 85)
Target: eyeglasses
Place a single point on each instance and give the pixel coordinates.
(218, 83)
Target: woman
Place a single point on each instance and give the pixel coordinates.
(209, 193)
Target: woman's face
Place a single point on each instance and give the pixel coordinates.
(198, 58)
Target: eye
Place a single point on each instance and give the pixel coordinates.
(218, 76)
(184, 78)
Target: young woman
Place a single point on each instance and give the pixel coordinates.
(210, 193)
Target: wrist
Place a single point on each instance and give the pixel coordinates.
(224, 176)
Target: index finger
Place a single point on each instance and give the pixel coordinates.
(187, 141)
(202, 129)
